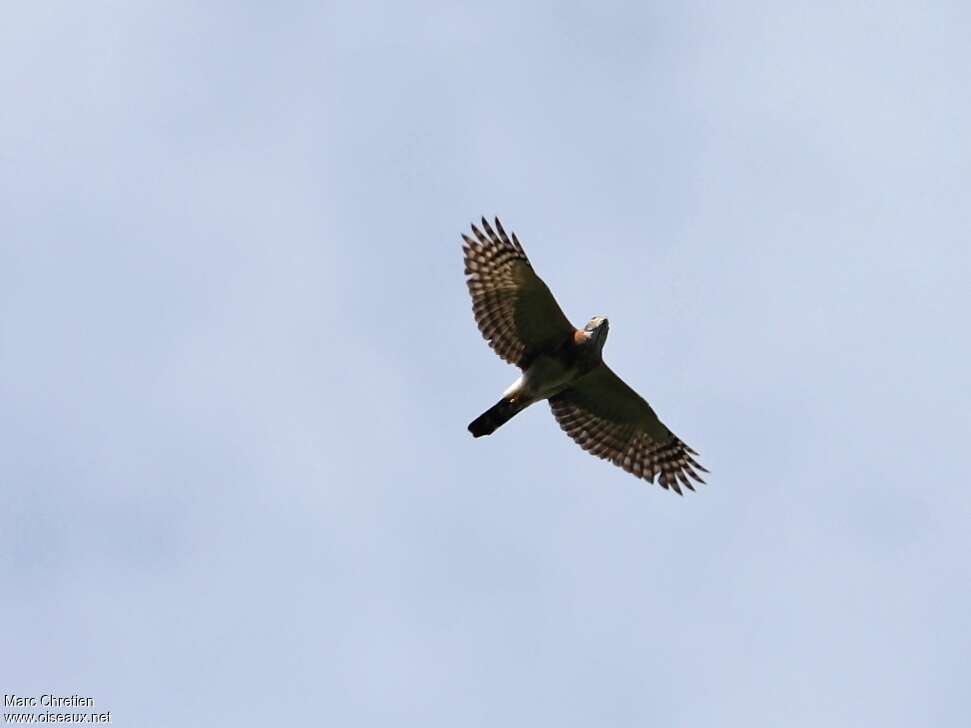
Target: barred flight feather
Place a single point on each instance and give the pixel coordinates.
(669, 464)
(510, 302)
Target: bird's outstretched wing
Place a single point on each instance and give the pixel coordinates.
(612, 421)
(514, 309)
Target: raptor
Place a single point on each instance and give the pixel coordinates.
(524, 325)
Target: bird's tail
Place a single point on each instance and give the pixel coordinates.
(494, 417)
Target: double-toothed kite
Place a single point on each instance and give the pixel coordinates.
(522, 322)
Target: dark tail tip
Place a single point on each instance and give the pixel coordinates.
(490, 420)
(481, 426)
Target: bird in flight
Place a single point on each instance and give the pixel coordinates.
(522, 322)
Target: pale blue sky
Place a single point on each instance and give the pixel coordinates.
(237, 359)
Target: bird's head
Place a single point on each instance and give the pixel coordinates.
(596, 330)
